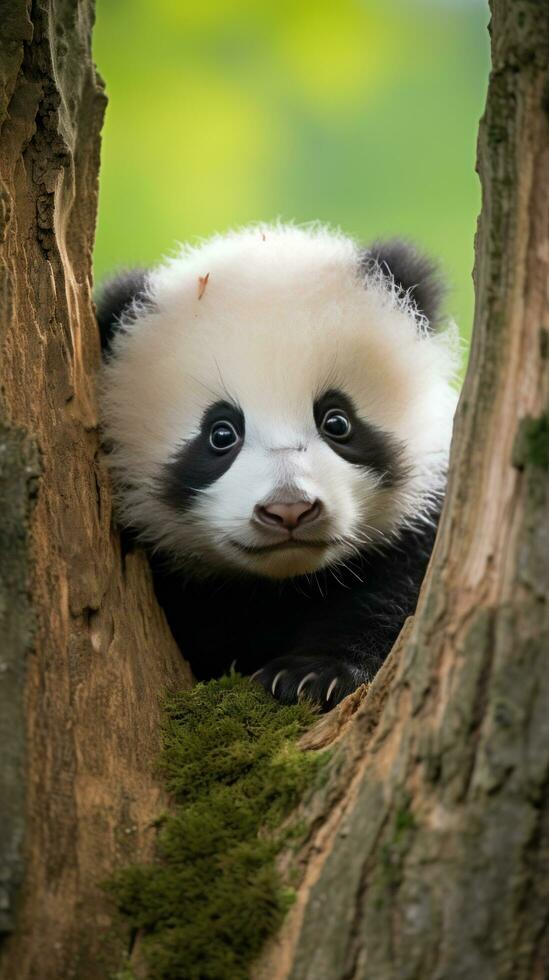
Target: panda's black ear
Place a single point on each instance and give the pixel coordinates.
(412, 272)
(115, 297)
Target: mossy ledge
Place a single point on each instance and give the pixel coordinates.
(213, 896)
(532, 442)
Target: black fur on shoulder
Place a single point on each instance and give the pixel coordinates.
(413, 273)
(115, 297)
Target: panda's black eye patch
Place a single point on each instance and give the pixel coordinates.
(205, 457)
(336, 424)
(356, 439)
(223, 436)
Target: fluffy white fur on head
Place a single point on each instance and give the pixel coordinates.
(268, 320)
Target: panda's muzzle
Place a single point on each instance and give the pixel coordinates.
(285, 520)
(286, 517)
(288, 543)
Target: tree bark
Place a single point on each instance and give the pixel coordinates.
(85, 651)
(429, 856)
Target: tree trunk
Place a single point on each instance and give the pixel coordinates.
(85, 650)
(432, 857)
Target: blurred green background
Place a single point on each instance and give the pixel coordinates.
(361, 113)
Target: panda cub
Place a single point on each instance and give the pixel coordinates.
(277, 409)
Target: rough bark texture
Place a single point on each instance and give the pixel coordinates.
(85, 651)
(429, 853)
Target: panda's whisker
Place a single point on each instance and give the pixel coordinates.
(354, 548)
(331, 569)
(347, 567)
(317, 580)
(296, 584)
(199, 381)
(229, 395)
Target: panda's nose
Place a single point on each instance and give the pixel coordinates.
(288, 516)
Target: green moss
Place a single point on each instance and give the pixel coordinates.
(404, 821)
(393, 851)
(126, 973)
(532, 443)
(537, 437)
(214, 895)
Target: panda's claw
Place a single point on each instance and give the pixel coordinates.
(275, 682)
(310, 676)
(331, 688)
(323, 679)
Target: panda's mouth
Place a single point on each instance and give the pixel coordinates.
(279, 546)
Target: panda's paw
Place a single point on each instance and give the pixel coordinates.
(325, 680)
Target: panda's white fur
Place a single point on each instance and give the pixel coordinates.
(284, 314)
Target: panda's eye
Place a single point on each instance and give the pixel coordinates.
(223, 436)
(336, 424)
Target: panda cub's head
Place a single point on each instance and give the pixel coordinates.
(277, 399)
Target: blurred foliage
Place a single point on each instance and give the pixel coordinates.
(359, 113)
